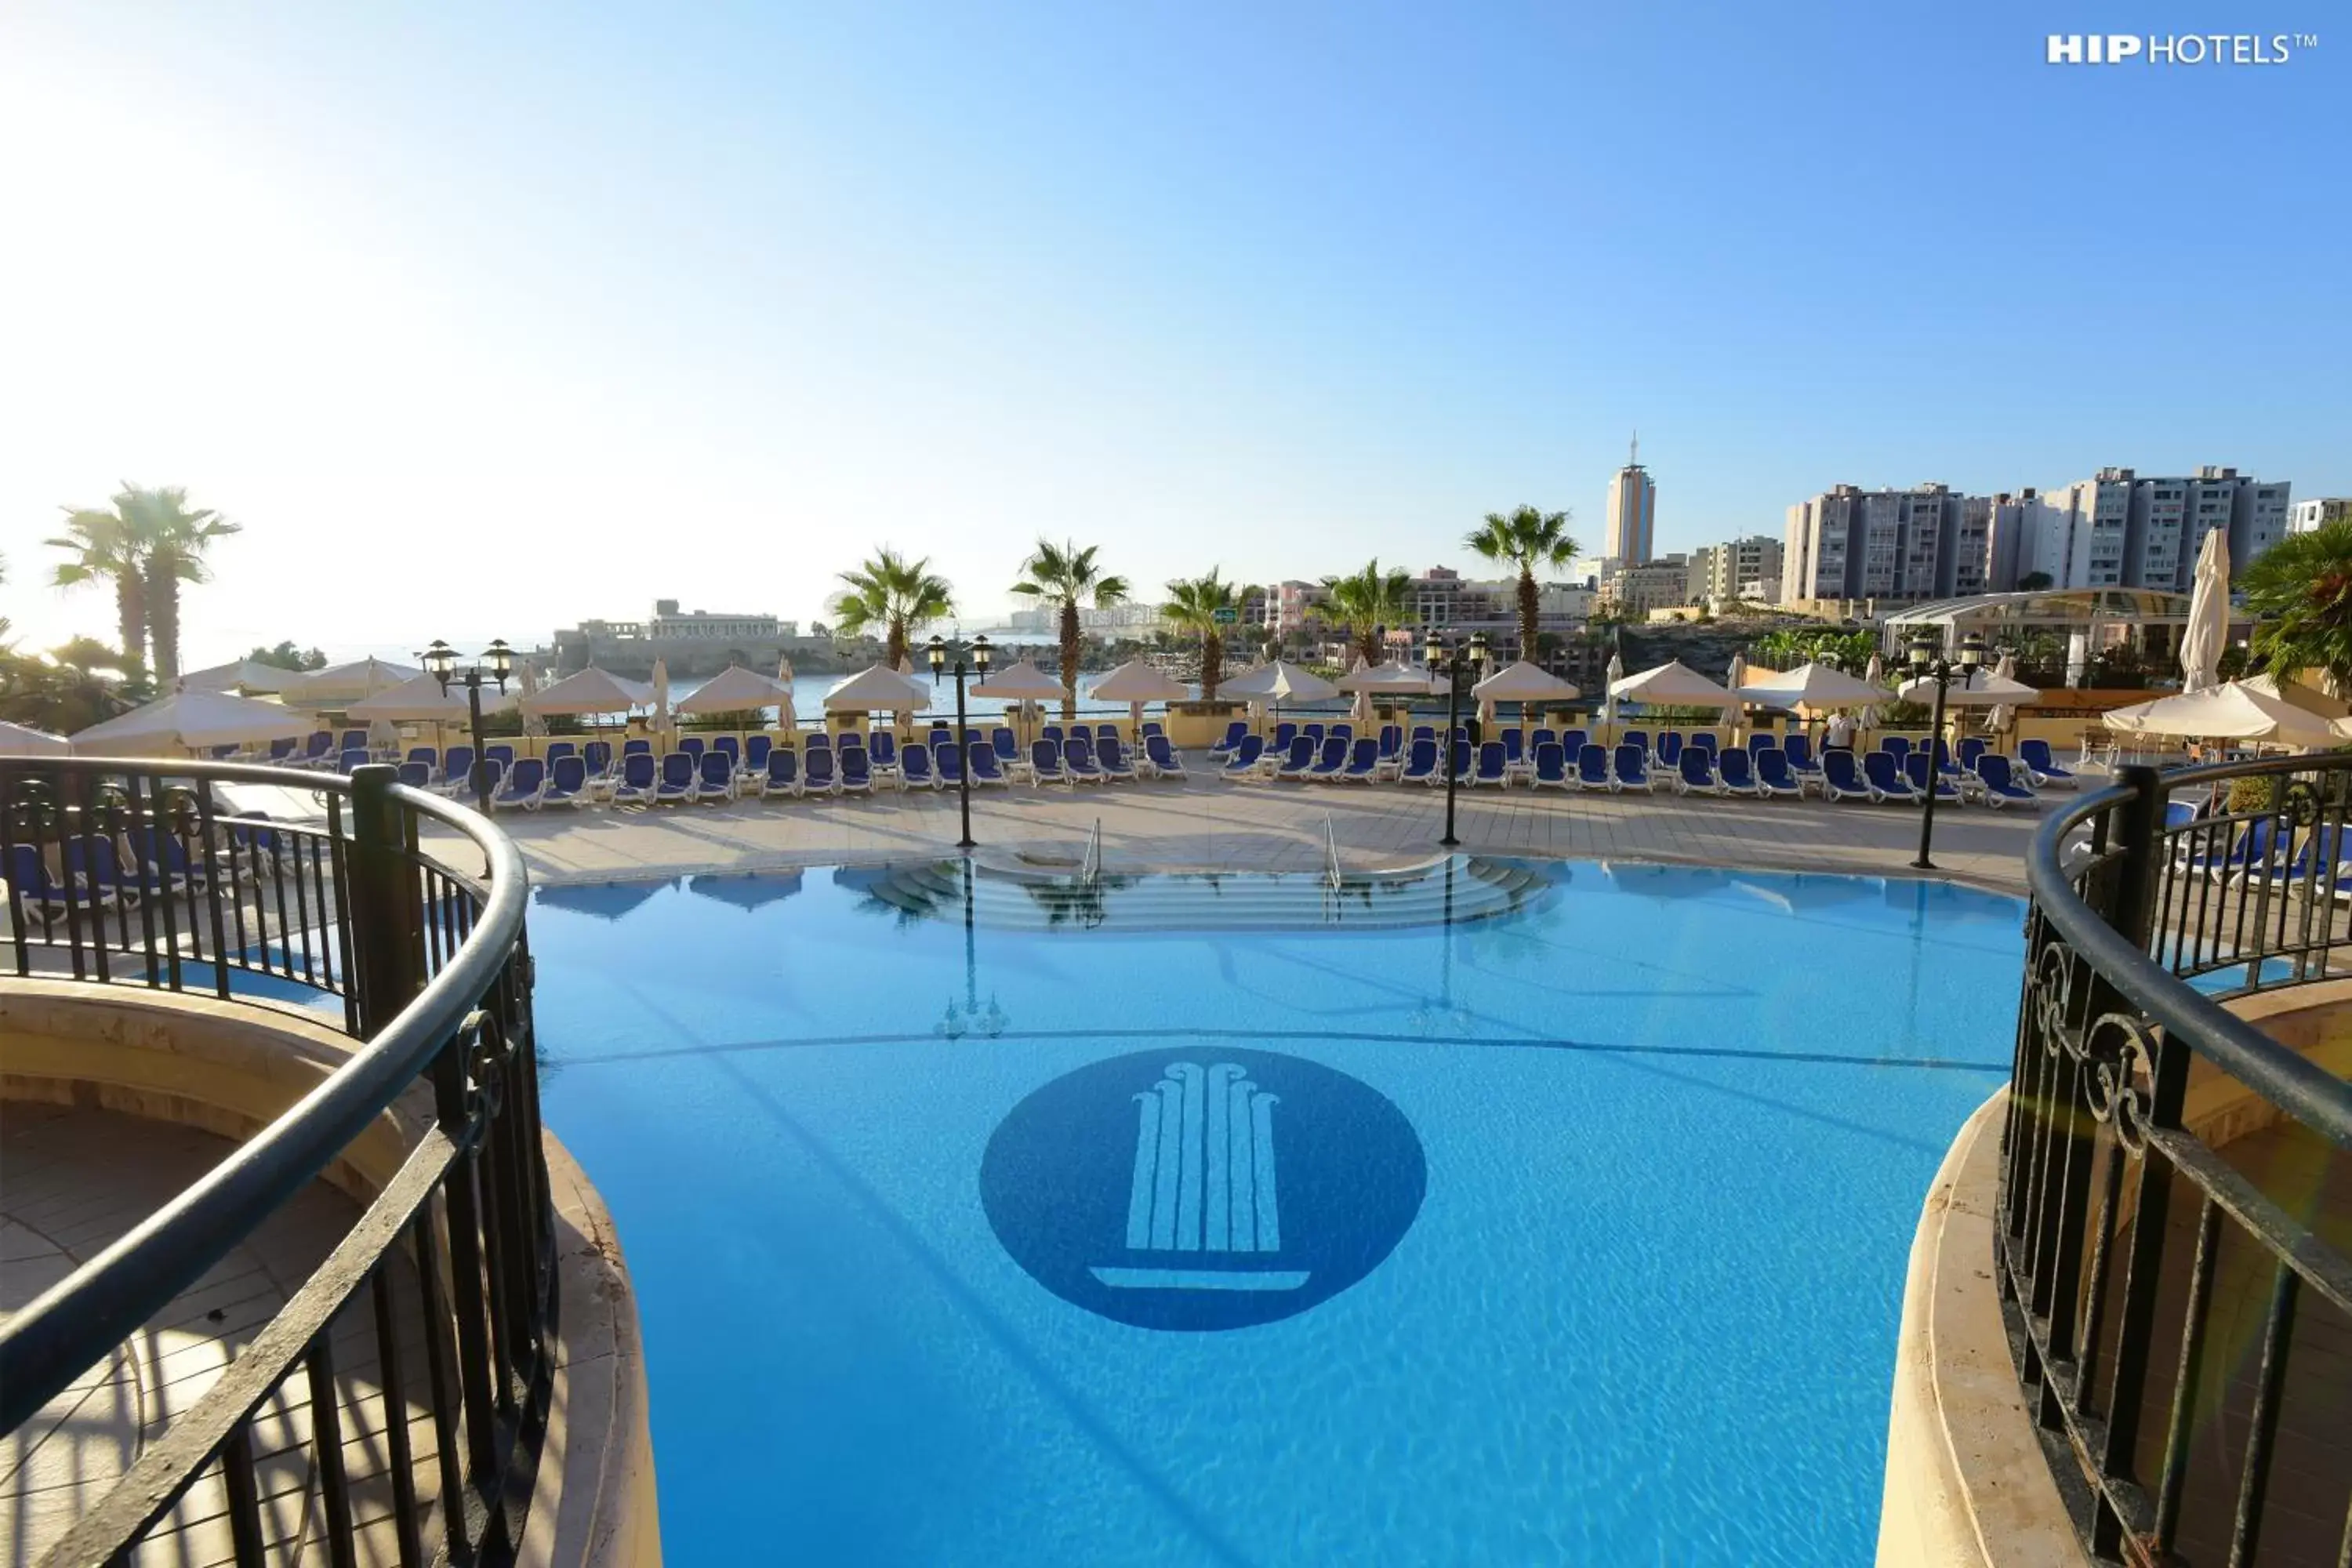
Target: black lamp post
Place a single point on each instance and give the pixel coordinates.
(496, 662)
(1929, 663)
(975, 658)
(1451, 666)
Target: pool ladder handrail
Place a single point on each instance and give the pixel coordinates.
(1091, 863)
(1331, 852)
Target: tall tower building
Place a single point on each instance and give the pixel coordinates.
(1629, 538)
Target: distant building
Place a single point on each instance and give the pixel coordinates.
(1630, 533)
(691, 642)
(2117, 529)
(705, 626)
(1718, 571)
(1633, 592)
(2311, 516)
(1852, 543)
(1112, 620)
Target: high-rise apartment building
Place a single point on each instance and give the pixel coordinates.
(1719, 571)
(1628, 537)
(2320, 512)
(1852, 543)
(2120, 530)
(1633, 592)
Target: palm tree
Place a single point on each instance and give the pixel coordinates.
(1064, 575)
(174, 540)
(1366, 602)
(1526, 539)
(1194, 604)
(2299, 595)
(105, 548)
(895, 596)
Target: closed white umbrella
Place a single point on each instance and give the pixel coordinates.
(2234, 712)
(2209, 617)
(661, 697)
(2003, 714)
(733, 689)
(20, 740)
(193, 721)
(1610, 678)
(1734, 678)
(527, 689)
(339, 684)
(787, 720)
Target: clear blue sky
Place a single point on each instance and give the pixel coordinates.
(512, 318)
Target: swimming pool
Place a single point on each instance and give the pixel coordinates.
(1224, 1221)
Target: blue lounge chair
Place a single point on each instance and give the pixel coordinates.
(1426, 733)
(693, 746)
(2043, 769)
(1670, 749)
(2000, 785)
(1884, 773)
(1230, 743)
(1734, 773)
(556, 749)
(1079, 732)
(96, 872)
(676, 785)
(1493, 765)
(1045, 764)
(1285, 733)
(1916, 772)
(1149, 727)
(1636, 737)
(1706, 741)
(1243, 763)
(1329, 759)
(947, 761)
(1363, 758)
(1592, 768)
(567, 783)
(425, 755)
(638, 780)
(1301, 758)
(598, 755)
(1052, 732)
(1420, 761)
(1007, 749)
(1465, 760)
(1079, 757)
(915, 768)
(816, 770)
(1774, 777)
(352, 759)
(981, 757)
(1694, 773)
(501, 755)
(417, 776)
(714, 778)
(494, 773)
(1314, 733)
(1896, 746)
(1515, 747)
(1572, 743)
(282, 752)
(1166, 761)
(1116, 765)
(165, 858)
(2260, 850)
(783, 775)
(1551, 766)
(318, 750)
(637, 748)
(1971, 748)
(29, 880)
(1841, 777)
(1345, 731)
(2323, 862)
(1630, 763)
(856, 772)
(757, 749)
(1799, 749)
(1545, 735)
(526, 781)
(1762, 740)
(728, 746)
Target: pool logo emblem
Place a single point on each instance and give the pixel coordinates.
(1211, 1191)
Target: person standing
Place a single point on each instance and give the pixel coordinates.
(1839, 736)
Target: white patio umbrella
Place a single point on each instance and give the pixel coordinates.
(1523, 683)
(245, 676)
(1982, 689)
(422, 701)
(1810, 686)
(1875, 674)
(2003, 714)
(339, 684)
(589, 690)
(1021, 681)
(1137, 682)
(1610, 678)
(193, 721)
(1672, 684)
(661, 697)
(1275, 681)
(1734, 678)
(20, 740)
(2234, 712)
(2209, 617)
(1391, 680)
(733, 689)
(877, 688)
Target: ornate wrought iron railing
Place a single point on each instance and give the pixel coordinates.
(399, 1397)
(2178, 1309)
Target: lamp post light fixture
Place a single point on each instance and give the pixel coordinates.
(1453, 664)
(972, 658)
(497, 663)
(1929, 662)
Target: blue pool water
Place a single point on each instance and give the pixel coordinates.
(1172, 1225)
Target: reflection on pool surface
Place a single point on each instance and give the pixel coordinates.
(1252, 1223)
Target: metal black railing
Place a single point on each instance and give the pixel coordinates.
(2180, 1309)
(398, 1399)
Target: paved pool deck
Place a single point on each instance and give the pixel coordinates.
(1209, 824)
